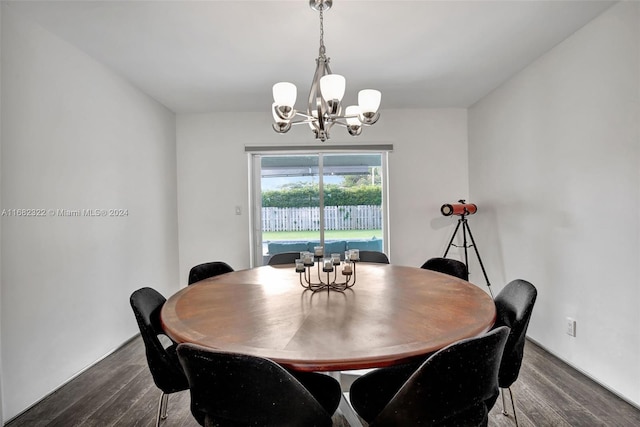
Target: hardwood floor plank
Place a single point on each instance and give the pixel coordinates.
(129, 396)
(69, 394)
(593, 397)
(143, 413)
(78, 413)
(597, 399)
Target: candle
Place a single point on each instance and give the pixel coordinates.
(327, 265)
(347, 268)
(318, 250)
(299, 266)
(354, 255)
(308, 259)
(336, 259)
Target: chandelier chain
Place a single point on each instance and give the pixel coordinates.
(322, 48)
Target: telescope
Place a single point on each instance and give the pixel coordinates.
(460, 208)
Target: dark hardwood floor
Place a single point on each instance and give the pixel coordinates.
(119, 391)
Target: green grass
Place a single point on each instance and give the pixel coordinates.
(315, 235)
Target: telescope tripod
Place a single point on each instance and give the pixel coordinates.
(462, 221)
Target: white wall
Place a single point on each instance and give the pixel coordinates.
(76, 136)
(554, 162)
(428, 167)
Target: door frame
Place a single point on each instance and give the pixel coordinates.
(254, 156)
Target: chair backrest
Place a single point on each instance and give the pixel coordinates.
(284, 258)
(236, 389)
(374, 256)
(449, 266)
(208, 269)
(514, 305)
(163, 364)
(451, 387)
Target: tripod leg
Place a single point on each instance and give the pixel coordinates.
(464, 242)
(452, 237)
(475, 248)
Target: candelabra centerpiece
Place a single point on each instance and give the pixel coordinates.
(329, 266)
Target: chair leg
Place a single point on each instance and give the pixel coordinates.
(162, 408)
(504, 404)
(513, 405)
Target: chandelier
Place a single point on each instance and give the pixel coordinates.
(325, 97)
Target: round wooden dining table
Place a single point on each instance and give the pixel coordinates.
(392, 314)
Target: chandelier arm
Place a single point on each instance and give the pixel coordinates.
(328, 124)
(337, 117)
(337, 121)
(302, 117)
(305, 115)
(314, 92)
(302, 122)
(321, 119)
(327, 67)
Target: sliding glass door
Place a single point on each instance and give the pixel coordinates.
(337, 200)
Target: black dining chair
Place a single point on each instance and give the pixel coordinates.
(514, 305)
(450, 388)
(284, 258)
(230, 389)
(374, 256)
(208, 269)
(449, 266)
(163, 362)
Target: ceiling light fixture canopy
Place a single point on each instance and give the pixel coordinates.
(325, 97)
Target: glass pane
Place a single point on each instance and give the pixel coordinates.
(290, 204)
(353, 202)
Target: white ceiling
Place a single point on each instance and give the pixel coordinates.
(201, 56)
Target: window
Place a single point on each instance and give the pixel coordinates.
(329, 198)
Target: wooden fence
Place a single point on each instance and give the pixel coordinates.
(308, 219)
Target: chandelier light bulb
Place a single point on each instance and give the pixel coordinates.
(285, 94)
(352, 110)
(369, 101)
(332, 86)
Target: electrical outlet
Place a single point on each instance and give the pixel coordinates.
(571, 326)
